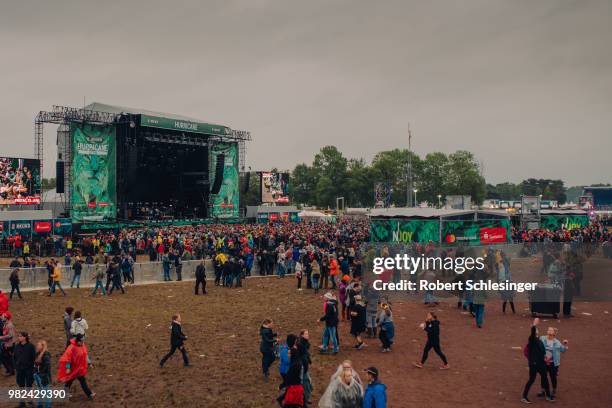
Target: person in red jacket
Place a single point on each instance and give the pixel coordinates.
(73, 366)
(4, 302)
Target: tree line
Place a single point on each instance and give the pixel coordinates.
(332, 175)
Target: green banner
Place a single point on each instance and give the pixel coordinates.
(93, 179)
(183, 125)
(481, 232)
(568, 222)
(404, 231)
(226, 202)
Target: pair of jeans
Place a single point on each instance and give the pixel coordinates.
(56, 284)
(40, 386)
(479, 311)
(315, 283)
(76, 279)
(167, 273)
(101, 286)
(330, 333)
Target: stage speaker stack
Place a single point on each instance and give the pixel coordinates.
(59, 177)
(216, 187)
(247, 182)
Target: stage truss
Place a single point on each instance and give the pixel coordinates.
(64, 115)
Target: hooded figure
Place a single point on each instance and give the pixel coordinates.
(74, 359)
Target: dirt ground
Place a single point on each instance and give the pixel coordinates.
(129, 333)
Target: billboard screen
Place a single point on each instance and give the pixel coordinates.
(93, 180)
(274, 187)
(226, 203)
(19, 181)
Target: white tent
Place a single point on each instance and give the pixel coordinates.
(314, 215)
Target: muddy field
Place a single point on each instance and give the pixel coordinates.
(129, 333)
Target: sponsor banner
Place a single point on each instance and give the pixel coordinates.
(62, 226)
(225, 204)
(93, 178)
(567, 222)
(469, 232)
(404, 231)
(22, 227)
(43, 227)
(496, 235)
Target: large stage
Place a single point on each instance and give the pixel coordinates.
(120, 163)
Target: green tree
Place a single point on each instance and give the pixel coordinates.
(302, 185)
(391, 167)
(433, 178)
(464, 176)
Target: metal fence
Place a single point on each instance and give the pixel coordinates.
(147, 272)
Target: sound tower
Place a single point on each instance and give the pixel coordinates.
(247, 182)
(59, 177)
(216, 187)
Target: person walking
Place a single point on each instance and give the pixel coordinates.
(77, 269)
(99, 277)
(8, 340)
(57, 277)
(358, 321)
(348, 392)
(200, 275)
(79, 325)
(14, 280)
(23, 357)
(73, 366)
(116, 279)
(331, 323)
(376, 392)
(304, 350)
(432, 327)
(177, 341)
(553, 348)
(267, 345)
(42, 370)
(386, 332)
(536, 353)
(68, 323)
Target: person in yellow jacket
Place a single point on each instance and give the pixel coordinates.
(57, 277)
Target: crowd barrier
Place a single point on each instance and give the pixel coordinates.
(148, 272)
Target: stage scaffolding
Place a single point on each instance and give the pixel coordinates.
(64, 115)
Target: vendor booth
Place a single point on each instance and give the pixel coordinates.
(446, 226)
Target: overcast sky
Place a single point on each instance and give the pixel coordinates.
(526, 85)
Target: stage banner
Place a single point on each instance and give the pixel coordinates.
(405, 231)
(481, 232)
(226, 203)
(21, 227)
(62, 226)
(93, 179)
(567, 222)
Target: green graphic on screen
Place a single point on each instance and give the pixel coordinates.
(93, 173)
(225, 203)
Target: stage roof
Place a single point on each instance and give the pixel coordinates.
(164, 120)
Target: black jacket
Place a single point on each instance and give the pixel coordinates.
(537, 351)
(433, 331)
(200, 272)
(267, 339)
(176, 336)
(24, 356)
(358, 319)
(44, 369)
(331, 314)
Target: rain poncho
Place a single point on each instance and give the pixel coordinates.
(336, 391)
